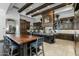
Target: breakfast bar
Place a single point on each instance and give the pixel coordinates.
(22, 40)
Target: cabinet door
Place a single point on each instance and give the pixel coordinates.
(24, 26)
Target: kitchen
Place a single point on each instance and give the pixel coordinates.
(28, 22)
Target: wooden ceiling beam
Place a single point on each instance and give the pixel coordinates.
(24, 7)
(53, 8)
(39, 8)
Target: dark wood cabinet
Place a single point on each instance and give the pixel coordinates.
(24, 26)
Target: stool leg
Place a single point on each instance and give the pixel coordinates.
(11, 51)
(25, 49)
(30, 51)
(43, 50)
(36, 51)
(21, 51)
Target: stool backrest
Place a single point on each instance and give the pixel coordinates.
(40, 41)
(7, 41)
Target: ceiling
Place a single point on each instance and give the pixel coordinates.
(34, 9)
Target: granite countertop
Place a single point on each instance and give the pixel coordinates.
(67, 31)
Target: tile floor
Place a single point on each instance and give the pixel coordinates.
(77, 48)
(59, 48)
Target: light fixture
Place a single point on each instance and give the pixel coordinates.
(30, 7)
(37, 11)
(48, 6)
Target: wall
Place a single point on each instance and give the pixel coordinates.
(3, 10)
(4, 7)
(2, 24)
(14, 15)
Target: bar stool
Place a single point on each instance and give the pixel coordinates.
(5, 46)
(9, 47)
(36, 44)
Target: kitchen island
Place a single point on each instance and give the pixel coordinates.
(49, 38)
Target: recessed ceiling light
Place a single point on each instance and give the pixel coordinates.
(48, 6)
(37, 11)
(67, 5)
(30, 7)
